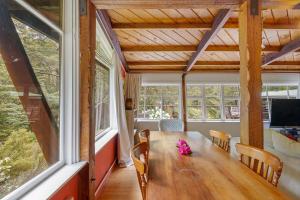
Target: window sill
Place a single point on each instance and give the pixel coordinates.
(101, 142)
(52, 184)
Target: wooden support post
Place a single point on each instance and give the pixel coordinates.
(183, 99)
(250, 37)
(18, 65)
(87, 74)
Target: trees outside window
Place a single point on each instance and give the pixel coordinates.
(29, 97)
(159, 102)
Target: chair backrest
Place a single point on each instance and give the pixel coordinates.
(136, 138)
(262, 162)
(170, 125)
(221, 139)
(139, 155)
(145, 136)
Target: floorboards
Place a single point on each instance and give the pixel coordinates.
(122, 185)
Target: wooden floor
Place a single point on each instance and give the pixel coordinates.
(122, 185)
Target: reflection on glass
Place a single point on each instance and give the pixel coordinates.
(52, 9)
(29, 100)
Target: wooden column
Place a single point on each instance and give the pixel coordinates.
(250, 37)
(87, 76)
(183, 99)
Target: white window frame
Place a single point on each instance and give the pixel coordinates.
(99, 135)
(69, 90)
(162, 85)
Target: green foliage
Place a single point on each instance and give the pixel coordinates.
(20, 160)
(21, 157)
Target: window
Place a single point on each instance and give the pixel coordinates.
(30, 96)
(159, 102)
(102, 83)
(102, 98)
(231, 102)
(194, 102)
(212, 101)
(270, 92)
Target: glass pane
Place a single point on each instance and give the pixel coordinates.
(277, 91)
(231, 91)
(231, 102)
(194, 91)
(142, 91)
(194, 102)
(293, 91)
(169, 100)
(153, 100)
(264, 91)
(141, 112)
(29, 101)
(153, 112)
(170, 112)
(194, 112)
(212, 101)
(232, 112)
(102, 98)
(265, 107)
(170, 90)
(52, 9)
(213, 112)
(153, 90)
(212, 90)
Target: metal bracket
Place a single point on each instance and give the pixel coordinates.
(254, 7)
(83, 7)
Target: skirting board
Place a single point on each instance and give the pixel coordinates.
(105, 179)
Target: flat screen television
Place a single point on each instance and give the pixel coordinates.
(285, 113)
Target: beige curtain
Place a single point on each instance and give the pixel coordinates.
(133, 85)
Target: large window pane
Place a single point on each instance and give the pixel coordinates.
(102, 98)
(29, 100)
(277, 91)
(159, 102)
(194, 112)
(213, 112)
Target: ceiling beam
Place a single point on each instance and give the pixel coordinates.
(288, 48)
(174, 4)
(233, 70)
(167, 4)
(191, 48)
(105, 22)
(206, 63)
(196, 26)
(219, 21)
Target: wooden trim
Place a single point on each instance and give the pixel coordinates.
(87, 79)
(288, 48)
(176, 4)
(219, 21)
(206, 63)
(167, 4)
(196, 26)
(99, 189)
(105, 22)
(192, 48)
(229, 70)
(250, 37)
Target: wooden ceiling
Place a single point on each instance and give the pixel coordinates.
(165, 39)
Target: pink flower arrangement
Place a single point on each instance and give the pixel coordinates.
(183, 147)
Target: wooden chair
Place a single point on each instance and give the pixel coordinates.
(221, 139)
(144, 136)
(139, 155)
(262, 162)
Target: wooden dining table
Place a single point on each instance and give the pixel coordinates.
(208, 173)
